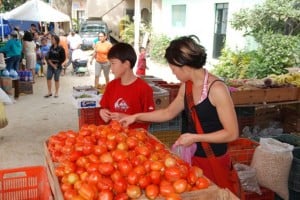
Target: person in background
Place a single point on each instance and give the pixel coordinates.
(126, 94)
(44, 49)
(29, 50)
(141, 65)
(13, 51)
(101, 50)
(64, 43)
(32, 29)
(74, 42)
(56, 56)
(211, 101)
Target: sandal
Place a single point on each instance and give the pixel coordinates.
(48, 95)
(56, 96)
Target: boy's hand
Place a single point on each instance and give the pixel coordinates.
(127, 120)
(105, 114)
(117, 116)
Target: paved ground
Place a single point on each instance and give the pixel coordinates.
(33, 118)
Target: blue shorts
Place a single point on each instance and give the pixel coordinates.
(53, 72)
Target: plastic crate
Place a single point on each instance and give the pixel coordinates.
(167, 137)
(24, 183)
(89, 116)
(25, 87)
(241, 151)
(172, 125)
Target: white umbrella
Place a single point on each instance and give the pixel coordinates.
(36, 10)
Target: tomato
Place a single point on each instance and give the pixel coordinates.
(66, 186)
(125, 167)
(172, 174)
(147, 165)
(132, 178)
(70, 194)
(152, 191)
(180, 185)
(122, 146)
(119, 155)
(84, 132)
(87, 149)
(131, 142)
(144, 181)
(91, 167)
(106, 168)
(111, 136)
(105, 184)
(70, 141)
(166, 188)
(155, 177)
(67, 149)
(82, 162)
(157, 166)
(121, 137)
(106, 195)
(84, 176)
(78, 198)
(116, 176)
(106, 158)
(59, 171)
(138, 160)
(120, 186)
(141, 135)
(111, 144)
(93, 158)
(140, 170)
(170, 162)
(173, 196)
(184, 169)
(69, 166)
(115, 125)
(73, 178)
(99, 149)
(133, 191)
(92, 128)
(94, 178)
(202, 183)
(193, 174)
(77, 185)
(121, 196)
(87, 191)
(143, 150)
(74, 156)
(101, 141)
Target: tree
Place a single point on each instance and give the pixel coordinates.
(8, 5)
(64, 6)
(275, 25)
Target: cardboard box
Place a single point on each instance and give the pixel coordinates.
(88, 102)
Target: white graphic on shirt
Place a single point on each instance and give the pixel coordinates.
(121, 105)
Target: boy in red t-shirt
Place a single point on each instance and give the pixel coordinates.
(126, 94)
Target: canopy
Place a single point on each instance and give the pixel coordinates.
(36, 10)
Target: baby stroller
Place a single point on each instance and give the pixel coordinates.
(80, 63)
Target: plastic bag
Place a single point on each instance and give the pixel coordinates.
(185, 153)
(5, 98)
(247, 177)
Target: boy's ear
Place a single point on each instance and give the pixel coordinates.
(127, 63)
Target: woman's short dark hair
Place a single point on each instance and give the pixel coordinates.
(186, 50)
(123, 52)
(56, 38)
(28, 36)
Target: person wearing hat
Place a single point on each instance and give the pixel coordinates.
(13, 51)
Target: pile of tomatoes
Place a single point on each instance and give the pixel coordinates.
(111, 162)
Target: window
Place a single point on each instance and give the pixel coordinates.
(221, 15)
(178, 15)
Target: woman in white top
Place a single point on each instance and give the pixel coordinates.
(29, 50)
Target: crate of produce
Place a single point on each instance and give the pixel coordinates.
(281, 94)
(251, 96)
(89, 116)
(24, 183)
(241, 151)
(86, 100)
(160, 97)
(25, 87)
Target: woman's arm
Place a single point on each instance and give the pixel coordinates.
(160, 115)
(221, 99)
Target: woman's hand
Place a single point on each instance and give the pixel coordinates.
(127, 120)
(117, 116)
(186, 139)
(105, 114)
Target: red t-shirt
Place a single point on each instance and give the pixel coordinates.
(130, 99)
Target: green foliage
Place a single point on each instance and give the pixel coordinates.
(275, 25)
(11, 4)
(158, 45)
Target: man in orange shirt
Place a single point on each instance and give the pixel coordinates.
(102, 48)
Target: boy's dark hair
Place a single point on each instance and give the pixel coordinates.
(123, 52)
(33, 25)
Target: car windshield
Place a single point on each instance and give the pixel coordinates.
(92, 28)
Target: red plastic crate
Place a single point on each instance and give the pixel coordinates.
(24, 183)
(89, 116)
(241, 151)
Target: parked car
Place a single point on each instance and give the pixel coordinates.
(89, 30)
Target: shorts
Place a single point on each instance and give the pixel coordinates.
(53, 72)
(102, 66)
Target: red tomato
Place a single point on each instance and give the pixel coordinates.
(202, 183)
(132, 178)
(111, 144)
(99, 149)
(193, 174)
(122, 146)
(106, 158)
(94, 178)
(140, 170)
(73, 178)
(69, 166)
(143, 150)
(84, 132)
(133, 191)
(70, 194)
(106, 168)
(105, 184)
(155, 177)
(166, 188)
(84, 176)
(173, 196)
(87, 149)
(125, 167)
(87, 191)
(184, 169)
(119, 155)
(115, 125)
(180, 186)
(59, 171)
(102, 141)
(91, 167)
(82, 161)
(70, 141)
(93, 158)
(77, 185)
(106, 195)
(157, 166)
(172, 174)
(66, 186)
(116, 176)
(121, 196)
(120, 186)
(74, 156)
(132, 142)
(144, 181)
(67, 149)
(170, 162)
(121, 137)
(152, 191)
(147, 165)
(111, 136)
